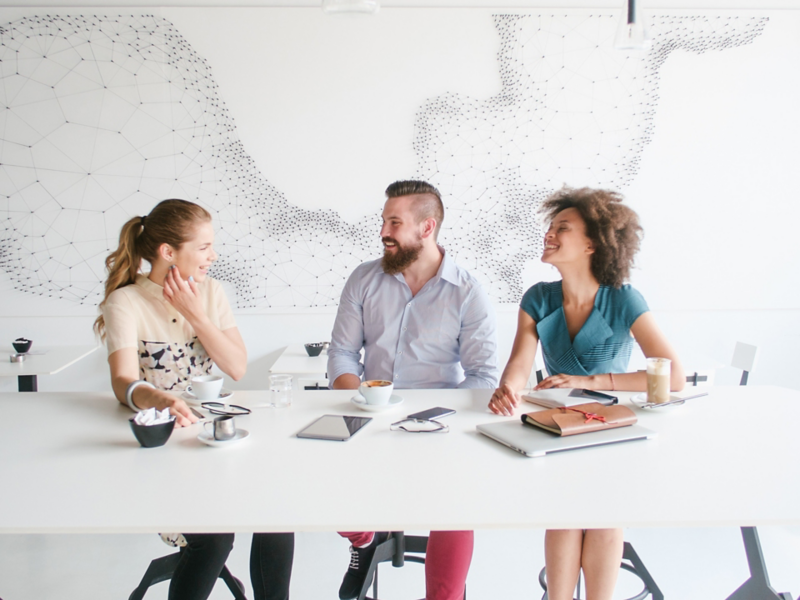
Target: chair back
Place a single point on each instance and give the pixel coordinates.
(744, 358)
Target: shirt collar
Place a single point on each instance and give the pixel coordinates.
(448, 269)
(153, 289)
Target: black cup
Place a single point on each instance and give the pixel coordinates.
(314, 349)
(22, 345)
(152, 436)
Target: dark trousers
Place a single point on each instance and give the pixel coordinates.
(201, 562)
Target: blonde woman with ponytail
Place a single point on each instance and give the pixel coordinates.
(162, 328)
(166, 326)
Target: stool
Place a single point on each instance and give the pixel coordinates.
(394, 549)
(636, 567)
(162, 569)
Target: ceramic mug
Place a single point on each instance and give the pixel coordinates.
(205, 387)
(376, 391)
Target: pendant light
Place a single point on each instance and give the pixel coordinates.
(632, 33)
(351, 6)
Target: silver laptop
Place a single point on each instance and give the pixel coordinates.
(532, 441)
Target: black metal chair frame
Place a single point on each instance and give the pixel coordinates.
(757, 586)
(635, 566)
(162, 569)
(394, 549)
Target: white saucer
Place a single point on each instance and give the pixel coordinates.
(640, 400)
(359, 401)
(190, 398)
(208, 438)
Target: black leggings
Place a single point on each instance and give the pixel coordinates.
(201, 562)
(271, 558)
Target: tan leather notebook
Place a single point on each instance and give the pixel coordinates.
(582, 418)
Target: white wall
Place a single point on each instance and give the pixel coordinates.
(712, 181)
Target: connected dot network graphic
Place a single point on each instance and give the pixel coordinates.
(103, 116)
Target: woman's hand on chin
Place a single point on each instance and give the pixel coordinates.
(183, 295)
(504, 400)
(565, 381)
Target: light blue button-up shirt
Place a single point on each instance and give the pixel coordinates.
(444, 337)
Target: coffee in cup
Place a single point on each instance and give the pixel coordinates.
(205, 387)
(376, 391)
(658, 373)
(222, 428)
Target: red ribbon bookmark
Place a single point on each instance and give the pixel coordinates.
(589, 416)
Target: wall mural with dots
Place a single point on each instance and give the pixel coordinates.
(102, 116)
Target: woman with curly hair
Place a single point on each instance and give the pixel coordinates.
(587, 324)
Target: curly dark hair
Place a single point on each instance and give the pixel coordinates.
(612, 227)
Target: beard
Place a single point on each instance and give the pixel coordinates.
(401, 258)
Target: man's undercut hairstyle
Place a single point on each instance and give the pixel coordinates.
(427, 202)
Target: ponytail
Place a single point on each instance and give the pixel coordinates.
(170, 222)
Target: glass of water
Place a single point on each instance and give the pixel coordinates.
(280, 391)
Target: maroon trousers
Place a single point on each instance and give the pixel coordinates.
(446, 561)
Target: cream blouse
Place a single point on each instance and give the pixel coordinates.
(137, 316)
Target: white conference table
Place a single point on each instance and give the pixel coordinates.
(295, 361)
(71, 464)
(50, 361)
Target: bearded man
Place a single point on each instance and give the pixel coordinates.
(423, 322)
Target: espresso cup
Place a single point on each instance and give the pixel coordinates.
(205, 387)
(376, 391)
(222, 428)
(658, 372)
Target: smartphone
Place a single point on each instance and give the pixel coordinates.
(432, 413)
(600, 397)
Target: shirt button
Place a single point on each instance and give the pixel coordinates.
(404, 328)
(397, 376)
(409, 304)
(399, 353)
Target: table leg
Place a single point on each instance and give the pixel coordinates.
(28, 383)
(757, 587)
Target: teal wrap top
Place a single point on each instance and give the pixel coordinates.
(603, 344)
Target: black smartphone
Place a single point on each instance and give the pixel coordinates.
(600, 397)
(432, 413)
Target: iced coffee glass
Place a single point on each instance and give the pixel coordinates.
(658, 370)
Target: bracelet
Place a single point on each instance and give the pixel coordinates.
(613, 387)
(129, 392)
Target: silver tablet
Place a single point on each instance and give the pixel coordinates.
(334, 427)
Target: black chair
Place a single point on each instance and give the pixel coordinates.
(162, 569)
(394, 549)
(634, 565)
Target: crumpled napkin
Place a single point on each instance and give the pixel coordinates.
(151, 416)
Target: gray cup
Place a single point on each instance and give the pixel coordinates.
(222, 427)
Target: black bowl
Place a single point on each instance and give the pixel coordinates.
(152, 436)
(21, 345)
(314, 349)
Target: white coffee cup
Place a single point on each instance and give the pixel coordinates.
(205, 387)
(376, 391)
